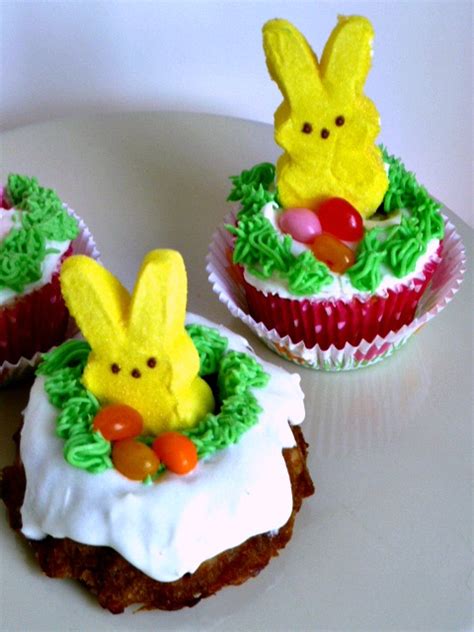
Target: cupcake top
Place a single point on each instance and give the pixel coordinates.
(187, 469)
(300, 253)
(338, 216)
(36, 230)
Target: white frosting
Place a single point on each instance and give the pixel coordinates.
(48, 267)
(340, 287)
(166, 529)
(7, 221)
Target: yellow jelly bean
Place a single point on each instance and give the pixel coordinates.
(134, 460)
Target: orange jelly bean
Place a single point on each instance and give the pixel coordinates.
(336, 255)
(118, 421)
(176, 451)
(134, 460)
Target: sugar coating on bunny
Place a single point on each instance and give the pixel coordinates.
(325, 124)
(141, 354)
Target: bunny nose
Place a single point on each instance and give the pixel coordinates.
(136, 373)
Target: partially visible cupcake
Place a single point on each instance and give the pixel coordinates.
(335, 247)
(37, 232)
(158, 461)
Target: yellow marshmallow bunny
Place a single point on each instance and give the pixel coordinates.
(325, 124)
(141, 353)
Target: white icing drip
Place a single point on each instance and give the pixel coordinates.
(340, 287)
(169, 528)
(48, 267)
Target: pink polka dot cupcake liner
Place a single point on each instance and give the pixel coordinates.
(39, 320)
(336, 335)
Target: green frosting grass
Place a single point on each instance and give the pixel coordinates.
(399, 247)
(266, 254)
(236, 374)
(83, 447)
(41, 217)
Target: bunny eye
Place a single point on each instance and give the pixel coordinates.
(115, 368)
(340, 120)
(324, 133)
(151, 362)
(307, 128)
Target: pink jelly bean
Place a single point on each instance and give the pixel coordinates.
(301, 223)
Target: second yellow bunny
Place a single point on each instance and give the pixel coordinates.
(325, 124)
(141, 353)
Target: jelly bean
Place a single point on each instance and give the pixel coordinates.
(118, 421)
(176, 451)
(341, 219)
(301, 223)
(134, 460)
(337, 256)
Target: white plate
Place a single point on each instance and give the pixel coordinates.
(386, 541)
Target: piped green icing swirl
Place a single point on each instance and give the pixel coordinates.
(307, 275)
(88, 451)
(72, 353)
(236, 375)
(41, 217)
(398, 248)
(254, 187)
(76, 415)
(267, 254)
(20, 187)
(367, 271)
(62, 385)
(83, 447)
(210, 346)
(259, 247)
(216, 432)
(238, 372)
(21, 256)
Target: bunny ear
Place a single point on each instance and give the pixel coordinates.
(96, 299)
(347, 56)
(158, 306)
(291, 62)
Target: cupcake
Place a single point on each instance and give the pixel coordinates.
(335, 248)
(37, 233)
(159, 459)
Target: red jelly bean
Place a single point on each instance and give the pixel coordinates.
(176, 451)
(341, 219)
(134, 460)
(337, 256)
(118, 421)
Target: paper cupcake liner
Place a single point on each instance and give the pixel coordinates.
(35, 321)
(228, 284)
(39, 320)
(337, 322)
